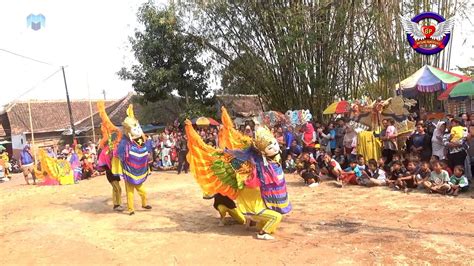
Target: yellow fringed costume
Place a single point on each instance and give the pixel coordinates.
(368, 145)
(54, 169)
(249, 172)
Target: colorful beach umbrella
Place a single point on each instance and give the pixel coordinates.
(337, 108)
(463, 89)
(204, 121)
(427, 79)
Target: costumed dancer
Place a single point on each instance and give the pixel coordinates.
(107, 156)
(134, 152)
(252, 176)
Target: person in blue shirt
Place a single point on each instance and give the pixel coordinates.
(332, 137)
(288, 137)
(351, 174)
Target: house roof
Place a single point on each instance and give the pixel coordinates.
(47, 116)
(241, 105)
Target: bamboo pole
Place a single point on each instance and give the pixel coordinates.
(32, 132)
(90, 109)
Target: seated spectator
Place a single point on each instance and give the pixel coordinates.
(361, 162)
(87, 168)
(295, 149)
(382, 164)
(339, 157)
(332, 168)
(352, 174)
(156, 165)
(408, 180)
(458, 181)
(166, 164)
(396, 171)
(311, 175)
(438, 181)
(445, 165)
(290, 164)
(423, 173)
(375, 175)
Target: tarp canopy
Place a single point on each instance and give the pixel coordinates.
(427, 79)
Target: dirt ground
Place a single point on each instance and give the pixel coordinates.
(353, 225)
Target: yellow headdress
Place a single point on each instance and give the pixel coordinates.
(263, 138)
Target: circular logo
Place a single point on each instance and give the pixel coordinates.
(429, 39)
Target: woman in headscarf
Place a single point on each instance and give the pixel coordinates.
(437, 140)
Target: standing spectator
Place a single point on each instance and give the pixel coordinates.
(182, 145)
(288, 141)
(389, 139)
(27, 164)
(165, 146)
(340, 131)
(332, 137)
(421, 143)
(456, 145)
(350, 143)
(437, 144)
(465, 121)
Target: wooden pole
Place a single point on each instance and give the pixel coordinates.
(32, 132)
(71, 120)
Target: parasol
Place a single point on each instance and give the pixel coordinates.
(337, 108)
(463, 89)
(427, 79)
(204, 121)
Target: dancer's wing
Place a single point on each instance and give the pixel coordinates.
(108, 129)
(214, 170)
(229, 137)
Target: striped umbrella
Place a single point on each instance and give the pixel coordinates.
(204, 121)
(463, 89)
(337, 108)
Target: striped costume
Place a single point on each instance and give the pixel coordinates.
(135, 170)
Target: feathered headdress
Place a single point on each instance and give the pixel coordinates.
(107, 128)
(263, 138)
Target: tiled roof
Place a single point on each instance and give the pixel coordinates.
(47, 116)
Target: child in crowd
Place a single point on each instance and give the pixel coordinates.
(438, 181)
(423, 173)
(290, 164)
(408, 180)
(396, 171)
(311, 175)
(156, 164)
(166, 164)
(375, 175)
(382, 164)
(361, 162)
(458, 181)
(332, 168)
(352, 174)
(458, 132)
(445, 165)
(87, 167)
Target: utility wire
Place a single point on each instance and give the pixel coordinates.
(26, 57)
(37, 84)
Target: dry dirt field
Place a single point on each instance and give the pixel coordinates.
(353, 225)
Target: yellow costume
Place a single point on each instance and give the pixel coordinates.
(249, 173)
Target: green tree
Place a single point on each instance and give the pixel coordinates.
(167, 59)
